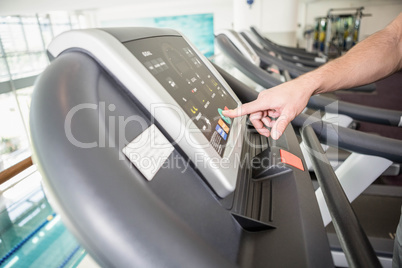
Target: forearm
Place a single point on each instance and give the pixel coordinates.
(372, 59)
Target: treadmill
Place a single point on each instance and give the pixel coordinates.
(366, 163)
(304, 58)
(128, 133)
(293, 69)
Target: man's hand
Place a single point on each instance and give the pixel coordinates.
(276, 107)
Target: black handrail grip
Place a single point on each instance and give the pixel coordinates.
(302, 55)
(302, 50)
(297, 59)
(259, 75)
(352, 140)
(353, 240)
(295, 70)
(357, 111)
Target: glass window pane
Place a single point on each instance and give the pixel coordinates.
(29, 20)
(47, 34)
(3, 71)
(24, 65)
(60, 28)
(17, 64)
(33, 37)
(12, 37)
(47, 31)
(75, 24)
(39, 61)
(24, 96)
(14, 145)
(25, 55)
(59, 18)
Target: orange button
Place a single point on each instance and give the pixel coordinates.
(223, 125)
(291, 159)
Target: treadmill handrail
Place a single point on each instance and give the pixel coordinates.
(304, 62)
(353, 240)
(292, 68)
(259, 74)
(345, 138)
(356, 111)
(352, 140)
(302, 50)
(270, 45)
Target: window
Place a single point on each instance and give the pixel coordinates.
(23, 42)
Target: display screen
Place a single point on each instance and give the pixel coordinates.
(181, 72)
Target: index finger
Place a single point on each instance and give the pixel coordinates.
(247, 108)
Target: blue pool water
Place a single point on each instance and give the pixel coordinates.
(32, 235)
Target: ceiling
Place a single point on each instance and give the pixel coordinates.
(13, 7)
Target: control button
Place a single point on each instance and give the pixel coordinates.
(194, 109)
(162, 65)
(226, 119)
(188, 52)
(208, 88)
(156, 65)
(221, 132)
(196, 62)
(223, 125)
(291, 159)
(171, 82)
(151, 67)
(214, 82)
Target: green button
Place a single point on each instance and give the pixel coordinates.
(225, 118)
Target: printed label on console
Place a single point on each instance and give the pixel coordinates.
(148, 151)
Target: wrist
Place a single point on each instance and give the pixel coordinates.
(311, 83)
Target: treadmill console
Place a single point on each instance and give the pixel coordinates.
(199, 93)
(180, 89)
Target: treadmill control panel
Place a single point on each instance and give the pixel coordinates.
(178, 87)
(196, 90)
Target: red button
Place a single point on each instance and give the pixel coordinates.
(226, 108)
(291, 159)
